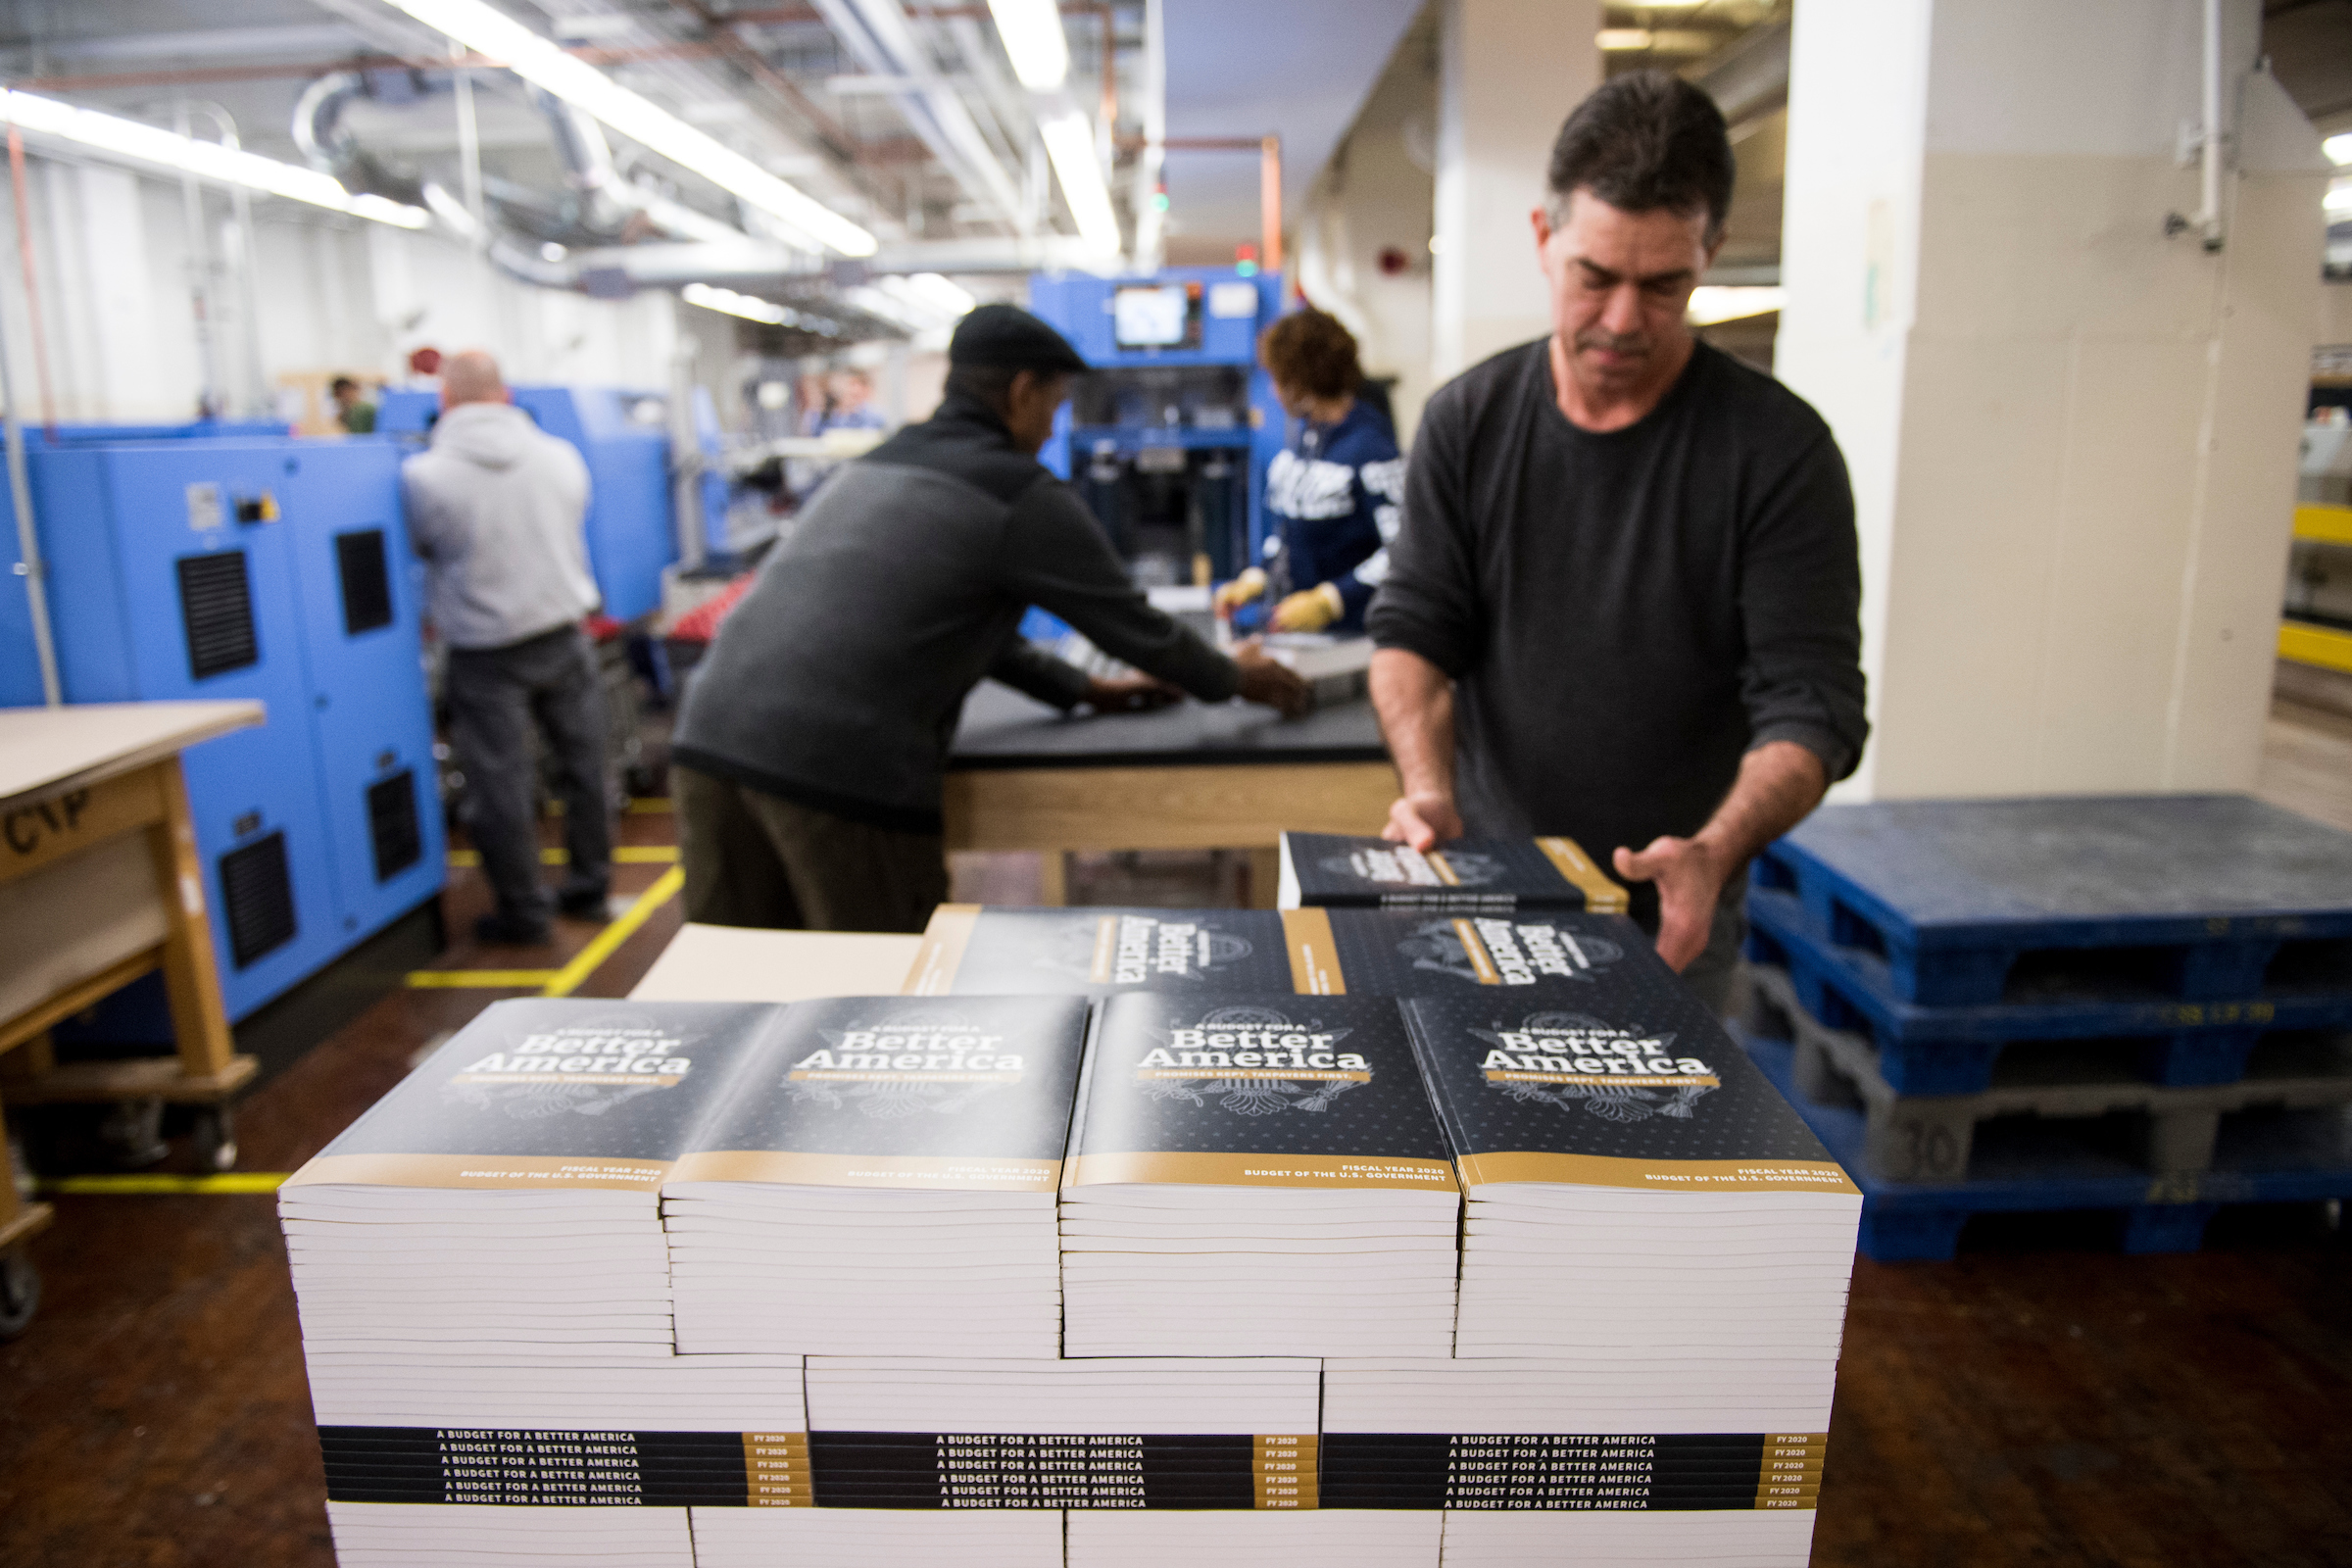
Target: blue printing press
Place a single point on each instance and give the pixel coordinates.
(189, 564)
(1169, 437)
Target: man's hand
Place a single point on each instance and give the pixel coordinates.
(1268, 680)
(1130, 693)
(1239, 592)
(1311, 610)
(1689, 875)
(1422, 821)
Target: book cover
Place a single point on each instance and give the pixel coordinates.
(1277, 1092)
(970, 1094)
(1336, 870)
(552, 1094)
(970, 950)
(1409, 952)
(1632, 1084)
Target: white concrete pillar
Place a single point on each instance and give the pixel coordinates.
(1509, 73)
(2072, 438)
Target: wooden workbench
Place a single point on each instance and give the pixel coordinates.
(100, 884)
(1193, 776)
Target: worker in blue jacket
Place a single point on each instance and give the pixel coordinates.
(1332, 494)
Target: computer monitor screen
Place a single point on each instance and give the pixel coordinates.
(1150, 316)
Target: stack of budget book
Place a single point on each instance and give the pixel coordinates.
(1393, 1238)
(1338, 871)
(1249, 1178)
(886, 1178)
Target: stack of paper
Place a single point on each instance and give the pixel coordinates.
(475, 1459)
(1629, 1172)
(1144, 1434)
(969, 950)
(1552, 1461)
(1255, 1540)
(884, 1179)
(1260, 1177)
(873, 1538)
(504, 1197)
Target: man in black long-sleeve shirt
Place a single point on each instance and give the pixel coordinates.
(807, 761)
(1622, 605)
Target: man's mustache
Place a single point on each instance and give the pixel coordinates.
(1627, 343)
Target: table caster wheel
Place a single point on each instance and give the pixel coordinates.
(215, 1136)
(20, 1294)
(132, 1131)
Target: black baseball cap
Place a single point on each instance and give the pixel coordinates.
(1010, 337)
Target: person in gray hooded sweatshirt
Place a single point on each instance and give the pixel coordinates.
(496, 509)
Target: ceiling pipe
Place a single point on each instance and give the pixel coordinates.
(1748, 77)
(880, 38)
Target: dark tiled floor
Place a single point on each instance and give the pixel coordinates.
(2044, 1402)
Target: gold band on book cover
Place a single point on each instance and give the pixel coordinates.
(933, 972)
(1314, 956)
(1285, 1471)
(1261, 1170)
(1601, 896)
(1659, 1175)
(495, 1172)
(1789, 1476)
(775, 1470)
(971, 1173)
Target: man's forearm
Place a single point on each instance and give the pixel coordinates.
(1779, 782)
(1415, 704)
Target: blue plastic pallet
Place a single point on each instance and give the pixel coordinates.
(2196, 898)
(2047, 1167)
(1951, 1051)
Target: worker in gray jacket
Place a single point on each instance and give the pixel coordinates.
(808, 761)
(496, 509)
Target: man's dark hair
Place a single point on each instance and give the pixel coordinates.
(988, 383)
(1646, 142)
(342, 385)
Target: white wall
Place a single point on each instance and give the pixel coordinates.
(112, 257)
(2073, 439)
(1510, 70)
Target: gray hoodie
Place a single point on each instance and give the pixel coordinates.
(496, 509)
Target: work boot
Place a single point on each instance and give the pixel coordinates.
(509, 929)
(583, 904)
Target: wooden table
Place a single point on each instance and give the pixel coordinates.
(100, 884)
(1193, 776)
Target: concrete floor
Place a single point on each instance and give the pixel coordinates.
(2041, 1400)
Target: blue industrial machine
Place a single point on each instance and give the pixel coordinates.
(1169, 436)
(253, 567)
(624, 436)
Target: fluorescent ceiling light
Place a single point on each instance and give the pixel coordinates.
(2337, 203)
(1070, 144)
(541, 61)
(2338, 148)
(1034, 39)
(1713, 303)
(749, 307)
(949, 298)
(1658, 40)
(206, 160)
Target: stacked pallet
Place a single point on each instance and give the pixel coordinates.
(2133, 1004)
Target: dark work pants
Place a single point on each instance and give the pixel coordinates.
(753, 858)
(496, 696)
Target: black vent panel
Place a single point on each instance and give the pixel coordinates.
(367, 580)
(216, 607)
(392, 825)
(260, 899)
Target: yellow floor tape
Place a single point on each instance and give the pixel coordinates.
(235, 1181)
(622, 854)
(575, 973)
(479, 979)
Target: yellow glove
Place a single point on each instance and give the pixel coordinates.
(1312, 610)
(1239, 592)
